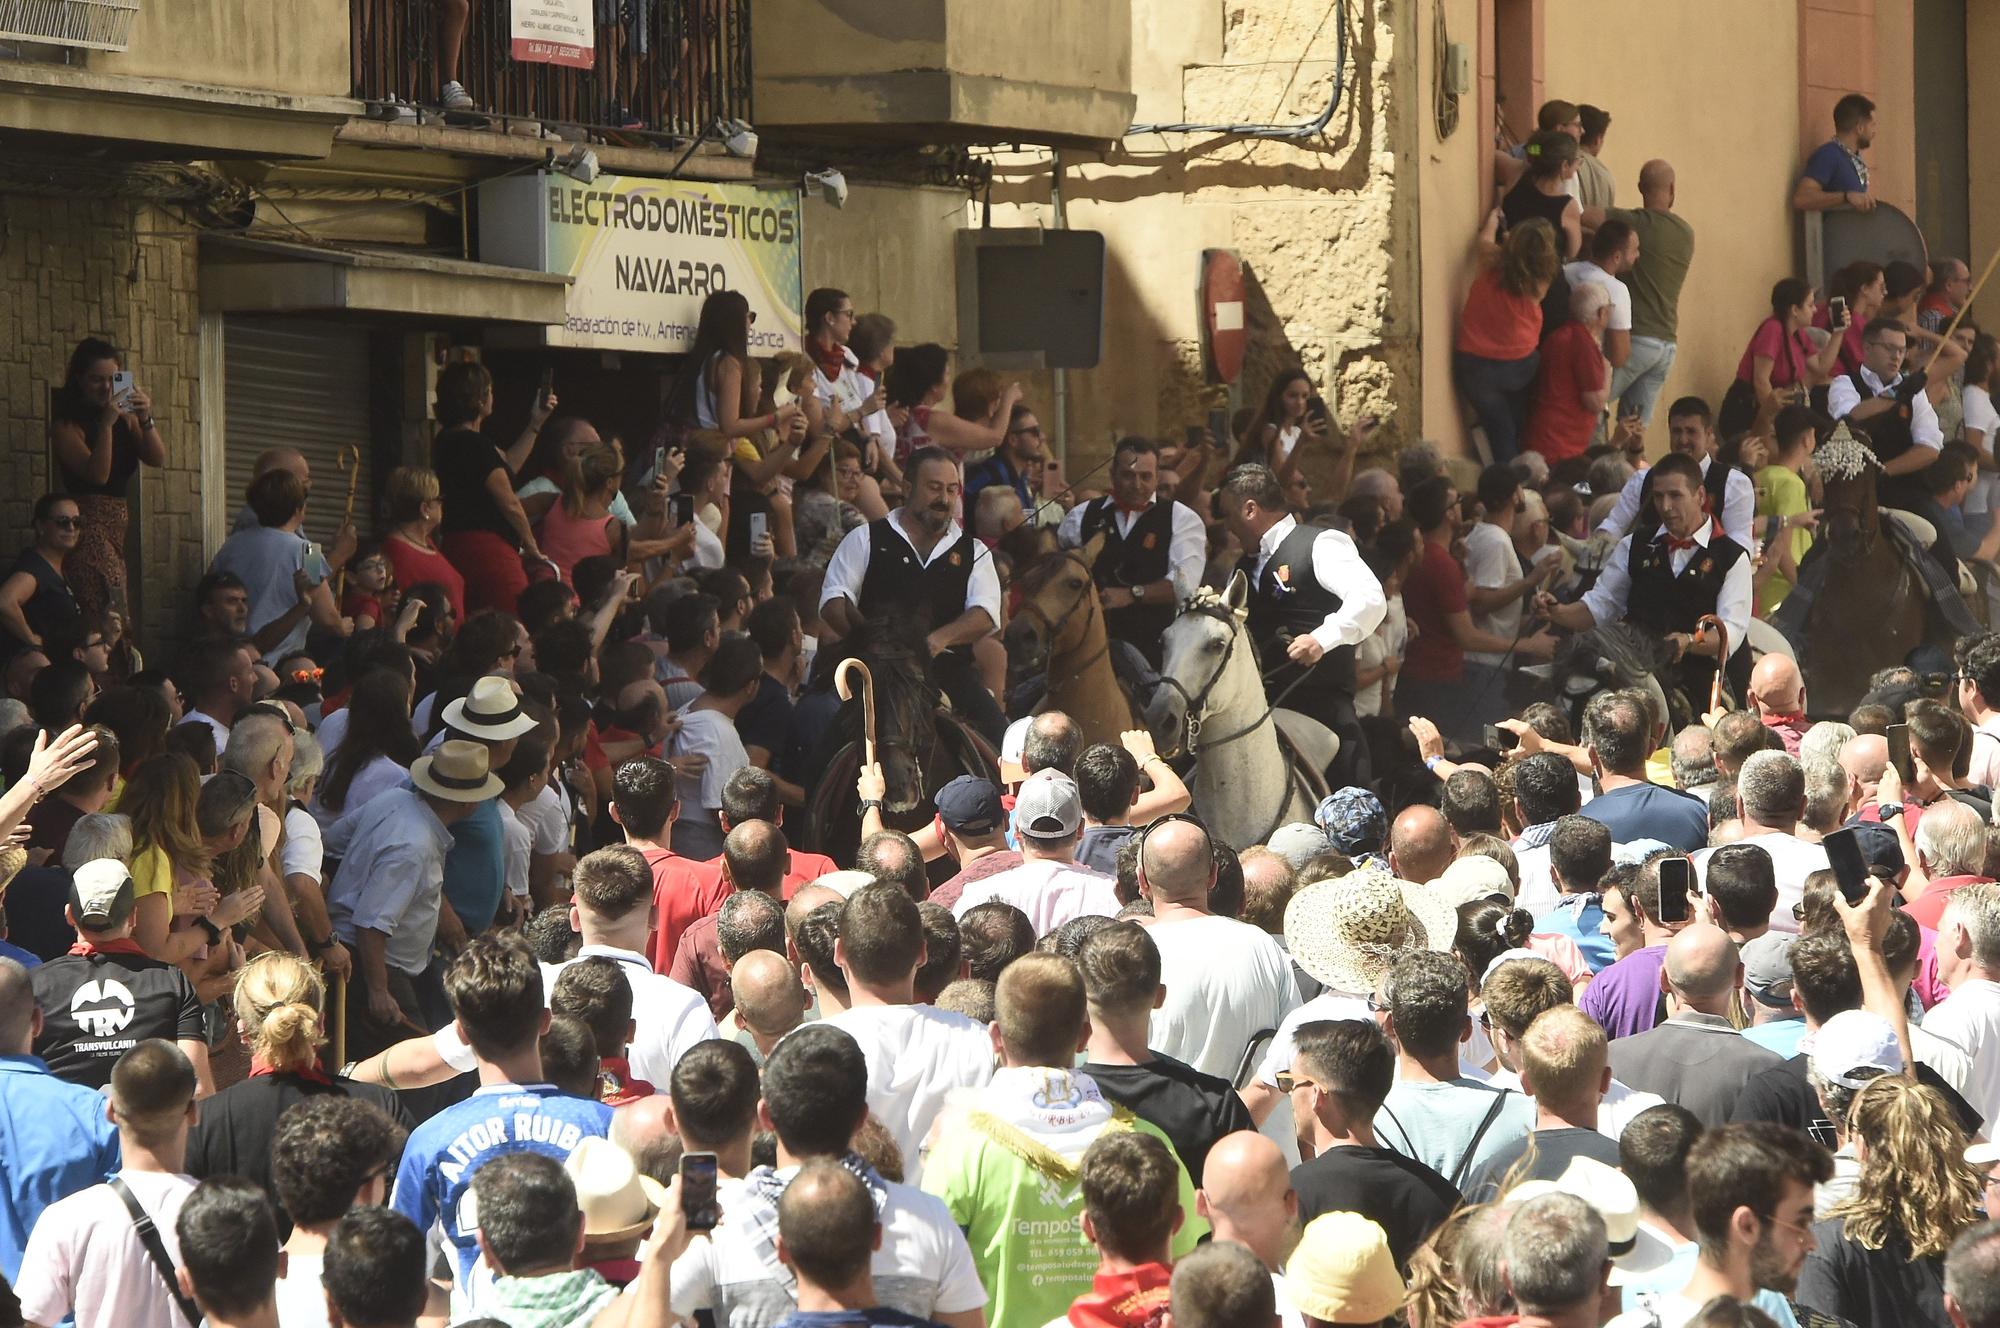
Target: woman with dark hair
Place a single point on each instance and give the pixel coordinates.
(37, 598)
(375, 750)
(1543, 193)
(1781, 362)
(1865, 287)
(1496, 352)
(915, 383)
(485, 531)
(138, 716)
(1285, 420)
(486, 643)
(718, 387)
(101, 430)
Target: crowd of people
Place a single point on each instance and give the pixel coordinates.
(429, 943)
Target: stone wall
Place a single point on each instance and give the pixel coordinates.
(73, 268)
(1325, 226)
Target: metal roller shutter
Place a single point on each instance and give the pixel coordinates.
(300, 384)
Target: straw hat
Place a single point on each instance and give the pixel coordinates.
(1346, 932)
(1342, 1271)
(456, 772)
(618, 1201)
(490, 710)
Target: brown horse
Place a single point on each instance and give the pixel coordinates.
(1059, 630)
(1872, 608)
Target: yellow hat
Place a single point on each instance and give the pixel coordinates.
(1342, 1272)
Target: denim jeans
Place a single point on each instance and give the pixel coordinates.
(1498, 392)
(1636, 384)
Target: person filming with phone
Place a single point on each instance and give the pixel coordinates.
(101, 430)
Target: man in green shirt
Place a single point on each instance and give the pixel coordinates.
(1666, 248)
(1007, 1158)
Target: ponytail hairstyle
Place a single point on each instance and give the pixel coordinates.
(1488, 929)
(278, 1000)
(589, 473)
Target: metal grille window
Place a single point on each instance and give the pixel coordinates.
(100, 25)
(667, 67)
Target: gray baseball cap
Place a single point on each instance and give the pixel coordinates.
(1048, 806)
(1767, 968)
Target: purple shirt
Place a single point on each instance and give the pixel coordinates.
(1625, 998)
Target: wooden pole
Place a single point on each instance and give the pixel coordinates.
(350, 461)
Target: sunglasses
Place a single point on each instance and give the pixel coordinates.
(308, 675)
(1289, 1083)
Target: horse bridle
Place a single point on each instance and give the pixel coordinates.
(1030, 609)
(1199, 700)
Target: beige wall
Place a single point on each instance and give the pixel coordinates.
(1450, 210)
(1735, 169)
(891, 248)
(65, 268)
(925, 62)
(299, 47)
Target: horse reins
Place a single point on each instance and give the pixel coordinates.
(1033, 610)
(1199, 700)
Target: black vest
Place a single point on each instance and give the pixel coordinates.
(897, 582)
(1288, 601)
(1889, 435)
(1661, 602)
(1138, 558)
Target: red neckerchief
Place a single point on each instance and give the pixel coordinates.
(310, 1073)
(123, 946)
(830, 359)
(1792, 721)
(617, 1085)
(1137, 1299)
(1131, 511)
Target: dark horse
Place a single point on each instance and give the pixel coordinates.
(1863, 603)
(920, 744)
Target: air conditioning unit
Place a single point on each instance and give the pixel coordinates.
(98, 25)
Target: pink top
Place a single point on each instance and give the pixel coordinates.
(1768, 341)
(568, 540)
(414, 566)
(1496, 325)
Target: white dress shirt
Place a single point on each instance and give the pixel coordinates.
(1606, 599)
(1842, 398)
(1739, 505)
(1187, 549)
(849, 566)
(1338, 567)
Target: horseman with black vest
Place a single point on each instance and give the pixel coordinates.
(1731, 496)
(1154, 549)
(919, 564)
(1312, 600)
(1663, 581)
(1893, 410)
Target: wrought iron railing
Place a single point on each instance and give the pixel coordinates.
(104, 25)
(665, 67)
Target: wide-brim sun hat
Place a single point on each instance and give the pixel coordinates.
(456, 772)
(1347, 931)
(490, 710)
(618, 1201)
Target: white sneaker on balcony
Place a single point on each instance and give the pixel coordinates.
(455, 98)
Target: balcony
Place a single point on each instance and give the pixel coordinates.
(667, 69)
(98, 25)
(955, 71)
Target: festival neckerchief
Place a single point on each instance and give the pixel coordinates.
(310, 1073)
(124, 945)
(1134, 1299)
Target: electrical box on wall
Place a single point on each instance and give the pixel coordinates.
(1031, 298)
(1458, 68)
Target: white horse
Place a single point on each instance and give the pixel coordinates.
(1211, 705)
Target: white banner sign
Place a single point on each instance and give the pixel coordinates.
(554, 32)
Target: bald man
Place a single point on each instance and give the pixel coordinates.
(1864, 757)
(1696, 1059)
(1247, 1196)
(1421, 844)
(770, 1002)
(1778, 694)
(1666, 248)
(1226, 981)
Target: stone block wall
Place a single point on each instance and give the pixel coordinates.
(72, 268)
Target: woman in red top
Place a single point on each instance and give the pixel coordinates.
(580, 525)
(1437, 681)
(1782, 361)
(414, 513)
(1493, 359)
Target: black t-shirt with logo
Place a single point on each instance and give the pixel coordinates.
(99, 1006)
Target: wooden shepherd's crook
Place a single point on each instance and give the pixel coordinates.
(841, 685)
(1706, 621)
(350, 461)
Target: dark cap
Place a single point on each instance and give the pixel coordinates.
(970, 805)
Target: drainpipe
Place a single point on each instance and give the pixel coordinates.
(1059, 378)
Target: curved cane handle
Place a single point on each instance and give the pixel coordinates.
(1721, 656)
(846, 692)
